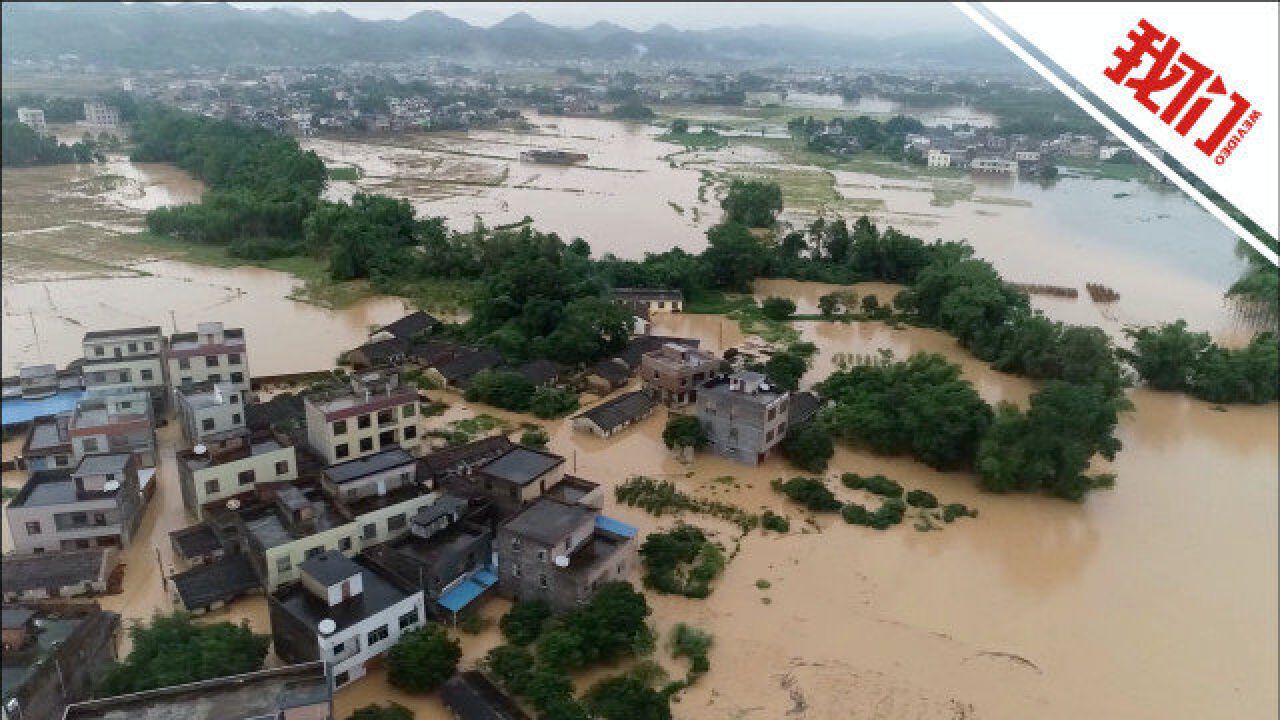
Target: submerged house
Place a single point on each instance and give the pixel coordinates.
(99, 504)
(614, 415)
(743, 415)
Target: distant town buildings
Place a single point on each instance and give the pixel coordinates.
(100, 116)
(127, 359)
(34, 119)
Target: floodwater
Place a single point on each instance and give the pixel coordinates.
(66, 272)
(1155, 599)
(875, 105)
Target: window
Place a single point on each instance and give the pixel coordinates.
(515, 544)
(341, 678)
(80, 518)
(211, 361)
(233, 398)
(542, 556)
(364, 421)
(396, 522)
(282, 467)
(773, 412)
(211, 487)
(284, 564)
(206, 424)
(184, 363)
(233, 359)
(33, 528)
(237, 378)
(99, 351)
(344, 544)
(148, 346)
(338, 648)
(378, 634)
(370, 531)
(146, 374)
(235, 419)
(60, 460)
(91, 444)
(82, 544)
(186, 382)
(542, 581)
(314, 551)
(133, 347)
(247, 477)
(409, 619)
(215, 377)
(410, 432)
(341, 451)
(366, 444)
(409, 410)
(515, 571)
(126, 406)
(340, 427)
(99, 518)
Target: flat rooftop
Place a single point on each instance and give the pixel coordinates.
(149, 330)
(206, 395)
(521, 466)
(547, 520)
(262, 694)
(53, 487)
(382, 461)
(377, 595)
(104, 464)
(200, 462)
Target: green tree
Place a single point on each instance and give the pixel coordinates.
(523, 623)
(423, 659)
(684, 431)
(752, 203)
(627, 698)
(810, 492)
(809, 447)
(173, 650)
(778, 308)
(679, 126)
(734, 257)
(1166, 357)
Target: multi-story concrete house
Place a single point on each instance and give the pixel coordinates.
(211, 413)
(236, 470)
(343, 612)
(34, 119)
(560, 552)
(511, 479)
(115, 421)
(673, 373)
(129, 359)
(48, 443)
(300, 524)
(372, 413)
(99, 504)
(38, 381)
(646, 301)
(743, 415)
(212, 354)
(101, 116)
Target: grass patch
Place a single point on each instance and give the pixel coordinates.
(345, 173)
(659, 497)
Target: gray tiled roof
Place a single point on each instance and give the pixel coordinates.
(547, 520)
(102, 464)
(368, 465)
(218, 581)
(620, 410)
(521, 466)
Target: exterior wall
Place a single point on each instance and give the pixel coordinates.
(127, 373)
(324, 440)
(938, 159)
(116, 529)
(52, 461)
(199, 370)
(739, 428)
(352, 662)
(77, 666)
(195, 489)
(527, 570)
(198, 423)
(292, 554)
(510, 497)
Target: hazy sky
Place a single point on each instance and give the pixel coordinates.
(860, 18)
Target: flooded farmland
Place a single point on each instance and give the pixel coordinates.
(1154, 599)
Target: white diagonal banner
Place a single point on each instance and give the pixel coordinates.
(1198, 80)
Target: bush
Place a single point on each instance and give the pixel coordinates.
(809, 492)
(391, 711)
(626, 698)
(512, 665)
(524, 621)
(552, 402)
(951, 511)
(772, 521)
(889, 513)
(809, 447)
(501, 388)
(423, 659)
(778, 308)
(684, 431)
(534, 437)
(922, 499)
(681, 561)
(877, 484)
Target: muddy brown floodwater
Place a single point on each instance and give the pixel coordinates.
(1155, 599)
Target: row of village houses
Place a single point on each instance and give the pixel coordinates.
(355, 528)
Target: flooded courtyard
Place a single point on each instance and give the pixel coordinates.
(1155, 599)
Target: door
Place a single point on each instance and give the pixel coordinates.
(382, 487)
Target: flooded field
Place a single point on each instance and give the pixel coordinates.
(1155, 599)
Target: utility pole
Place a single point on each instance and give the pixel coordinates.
(173, 320)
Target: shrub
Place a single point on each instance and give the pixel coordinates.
(775, 522)
(951, 511)
(552, 402)
(626, 698)
(423, 659)
(877, 484)
(809, 492)
(684, 431)
(778, 308)
(534, 437)
(390, 711)
(887, 515)
(681, 561)
(173, 650)
(524, 621)
(512, 665)
(809, 447)
(922, 499)
(855, 514)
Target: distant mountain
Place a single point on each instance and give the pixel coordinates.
(151, 35)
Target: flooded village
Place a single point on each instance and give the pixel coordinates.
(253, 441)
